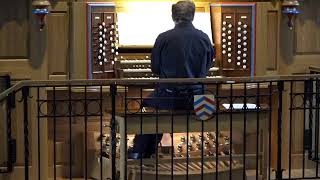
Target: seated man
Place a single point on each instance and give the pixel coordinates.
(182, 52)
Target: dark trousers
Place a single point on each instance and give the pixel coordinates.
(162, 99)
(144, 145)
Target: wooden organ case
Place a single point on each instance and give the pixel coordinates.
(102, 40)
(234, 34)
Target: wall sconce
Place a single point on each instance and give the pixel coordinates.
(40, 9)
(289, 7)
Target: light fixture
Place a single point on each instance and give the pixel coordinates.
(41, 9)
(289, 7)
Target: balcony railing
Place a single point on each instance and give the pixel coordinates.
(259, 128)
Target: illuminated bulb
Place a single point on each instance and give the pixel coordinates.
(238, 57)
(103, 23)
(230, 25)
(239, 34)
(100, 50)
(100, 45)
(229, 43)
(245, 49)
(239, 40)
(100, 63)
(239, 52)
(105, 30)
(112, 44)
(117, 35)
(224, 23)
(229, 60)
(239, 23)
(117, 53)
(223, 34)
(103, 54)
(224, 52)
(99, 57)
(244, 55)
(104, 36)
(105, 42)
(104, 48)
(244, 37)
(112, 50)
(239, 46)
(111, 38)
(100, 39)
(245, 26)
(223, 29)
(244, 43)
(239, 28)
(105, 60)
(224, 46)
(111, 32)
(112, 62)
(117, 47)
(229, 49)
(100, 32)
(100, 27)
(244, 61)
(229, 37)
(244, 32)
(224, 40)
(229, 32)
(115, 59)
(244, 66)
(112, 26)
(229, 54)
(238, 63)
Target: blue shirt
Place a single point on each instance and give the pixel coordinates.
(182, 52)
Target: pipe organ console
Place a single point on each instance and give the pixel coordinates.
(233, 34)
(233, 31)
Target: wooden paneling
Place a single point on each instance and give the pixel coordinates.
(266, 17)
(19, 68)
(272, 39)
(58, 43)
(307, 34)
(14, 29)
(78, 63)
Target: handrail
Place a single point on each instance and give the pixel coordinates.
(107, 82)
(12, 89)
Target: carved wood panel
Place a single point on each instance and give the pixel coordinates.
(14, 16)
(58, 43)
(307, 32)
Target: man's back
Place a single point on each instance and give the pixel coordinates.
(183, 52)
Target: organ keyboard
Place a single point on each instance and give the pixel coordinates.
(140, 68)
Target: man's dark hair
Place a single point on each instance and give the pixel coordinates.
(183, 11)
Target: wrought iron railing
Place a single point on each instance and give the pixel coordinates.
(261, 128)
